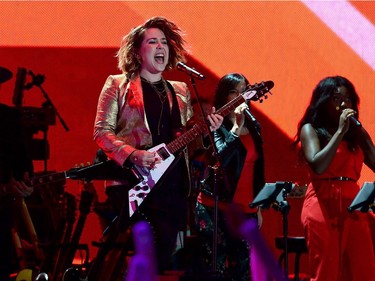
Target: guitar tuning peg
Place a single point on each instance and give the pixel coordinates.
(260, 100)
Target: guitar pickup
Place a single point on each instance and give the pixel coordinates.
(163, 153)
(137, 172)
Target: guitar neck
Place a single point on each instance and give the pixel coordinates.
(186, 138)
(49, 178)
(200, 128)
(230, 106)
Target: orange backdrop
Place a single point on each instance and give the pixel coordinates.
(293, 43)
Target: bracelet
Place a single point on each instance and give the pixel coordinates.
(234, 134)
(130, 160)
(132, 157)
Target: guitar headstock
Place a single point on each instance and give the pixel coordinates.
(258, 91)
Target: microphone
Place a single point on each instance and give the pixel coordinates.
(252, 119)
(37, 80)
(190, 71)
(249, 115)
(355, 121)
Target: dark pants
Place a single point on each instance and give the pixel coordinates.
(165, 208)
(233, 256)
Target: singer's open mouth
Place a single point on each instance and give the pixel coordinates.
(159, 58)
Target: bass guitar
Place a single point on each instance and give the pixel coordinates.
(148, 178)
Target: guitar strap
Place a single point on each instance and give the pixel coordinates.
(175, 111)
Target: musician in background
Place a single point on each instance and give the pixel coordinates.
(335, 148)
(15, 169)
(138, 110)
(239, 145)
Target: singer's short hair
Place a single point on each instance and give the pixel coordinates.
(128, 57)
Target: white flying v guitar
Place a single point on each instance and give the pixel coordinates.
(148, 178)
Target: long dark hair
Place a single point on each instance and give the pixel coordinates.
(317, 114)
(226, 86)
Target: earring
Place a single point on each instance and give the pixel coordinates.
(337, 108)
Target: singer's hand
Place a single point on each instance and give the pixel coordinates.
(239, 115)
(344, 122)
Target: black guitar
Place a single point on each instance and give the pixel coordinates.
(106, 170)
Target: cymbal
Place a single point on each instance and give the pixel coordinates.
(5, 74)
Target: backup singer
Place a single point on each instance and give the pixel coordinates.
(335, 149)
(139, 109)
(239, 145)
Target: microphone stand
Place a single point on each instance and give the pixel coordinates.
(268, 196)
(38, 80)
(283, 207)
(216, 170)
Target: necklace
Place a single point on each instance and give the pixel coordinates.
(161, 91)
(160, 88)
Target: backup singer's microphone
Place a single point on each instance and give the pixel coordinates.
(355, 121)
(190, 71)
(249, 115)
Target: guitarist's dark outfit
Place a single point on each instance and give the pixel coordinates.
(133, 115)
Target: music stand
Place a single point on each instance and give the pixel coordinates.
(271, 193)
(275, 194)
(365, 198)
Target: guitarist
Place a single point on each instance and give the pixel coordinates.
(15, 168)
(138, 110)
